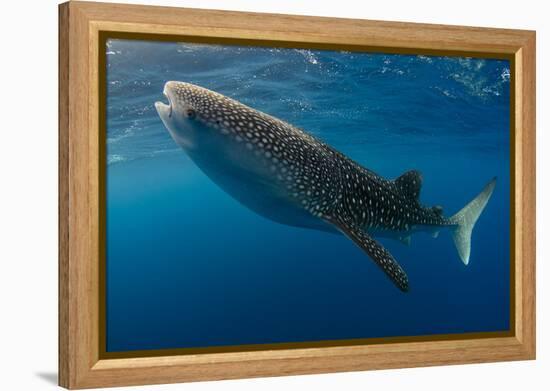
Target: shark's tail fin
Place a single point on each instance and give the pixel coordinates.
(466, 218)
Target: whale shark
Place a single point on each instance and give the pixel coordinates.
(285, 174)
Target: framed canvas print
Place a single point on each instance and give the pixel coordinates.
(248, 195)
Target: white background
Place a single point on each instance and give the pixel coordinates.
(28, 194)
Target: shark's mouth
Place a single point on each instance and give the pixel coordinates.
(169, 103)
(163, 107)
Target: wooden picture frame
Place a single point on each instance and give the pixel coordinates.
(81, 25)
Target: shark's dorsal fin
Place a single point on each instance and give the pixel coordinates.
(374, 250)
(410, 183)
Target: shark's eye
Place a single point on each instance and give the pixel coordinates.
(190, 113)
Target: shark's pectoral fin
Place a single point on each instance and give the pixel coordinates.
(374, 250)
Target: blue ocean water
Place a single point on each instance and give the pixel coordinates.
(188, 266)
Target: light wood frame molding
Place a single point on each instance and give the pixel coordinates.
(80, 26)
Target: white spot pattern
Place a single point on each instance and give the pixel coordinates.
(325, 182)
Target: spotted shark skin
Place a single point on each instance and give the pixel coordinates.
(288, 176)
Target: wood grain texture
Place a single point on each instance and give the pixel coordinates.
(63, 178)
(79, 192)
(528, 187)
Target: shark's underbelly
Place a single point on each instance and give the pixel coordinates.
(249, 179)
